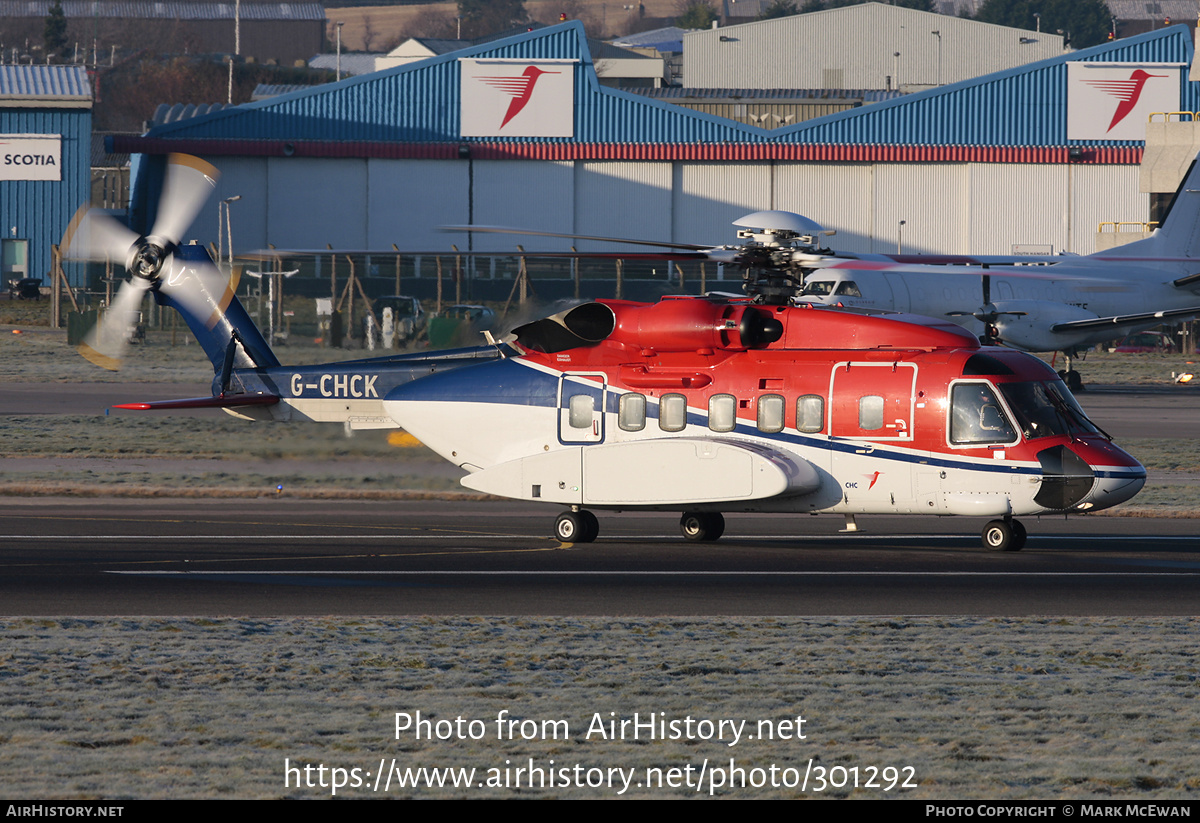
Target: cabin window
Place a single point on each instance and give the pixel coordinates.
(810, 413)
(848, 288)
(672, 412)
(722, 412)
(631, 412)
(976, 416)
(870, 412)
(770, 413)
(582, 407)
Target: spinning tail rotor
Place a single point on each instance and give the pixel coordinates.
(150, 259)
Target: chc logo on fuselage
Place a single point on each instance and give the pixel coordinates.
(340, 386)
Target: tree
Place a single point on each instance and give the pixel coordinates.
(779, 8)
(483, 17)
(55, 33)
(696, 14)
(1083, 22)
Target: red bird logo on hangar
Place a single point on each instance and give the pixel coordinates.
(1126, 91)
(519, 88)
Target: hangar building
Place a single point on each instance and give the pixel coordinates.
(45, 156)
(519, 132)
(893, 48)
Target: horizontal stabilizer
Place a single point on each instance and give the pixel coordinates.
(227, 401)
(1126, 319)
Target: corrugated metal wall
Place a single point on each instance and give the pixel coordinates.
(39, 211)
(615, 199)
(951, 208)
(833, 194)
(709, 196)
(795, 52)
(1020, 204)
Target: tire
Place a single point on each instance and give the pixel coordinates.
(702, 527)
(1003, 536)
(1073, 379)
(576, 527)
(592, 527)
(1019, 536)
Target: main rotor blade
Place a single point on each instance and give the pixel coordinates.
(506, 230)
(105, 344)
(201, 289)
(93, 235)
(187, 185)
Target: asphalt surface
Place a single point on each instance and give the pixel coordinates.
(283, 556)
(276, 557)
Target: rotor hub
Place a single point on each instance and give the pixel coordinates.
(149, 255)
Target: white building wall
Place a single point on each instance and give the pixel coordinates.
(316, 201)
(1017, 205)
(809, 50)
(407, 200)
(1092, 193)
(708, 197)
(833, 194)
(951, 208)
(523, 194)
(929, 198)
(622, 199)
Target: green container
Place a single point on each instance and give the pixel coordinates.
(79, 323)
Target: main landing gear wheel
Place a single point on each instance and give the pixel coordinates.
(702, 526)
(577, 527)
(1004, 536)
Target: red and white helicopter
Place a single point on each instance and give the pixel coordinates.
(701, 405)
(1034, 303)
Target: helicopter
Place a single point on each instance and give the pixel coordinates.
(703, 405)
(1046, 303)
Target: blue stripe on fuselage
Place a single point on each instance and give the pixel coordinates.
(515, 382)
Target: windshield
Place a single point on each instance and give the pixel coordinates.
(818, 288)
(1046, 410)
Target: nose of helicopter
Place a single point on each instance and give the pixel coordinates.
(1088, 475)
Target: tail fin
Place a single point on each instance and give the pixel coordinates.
(209, 305)
(1178, 235)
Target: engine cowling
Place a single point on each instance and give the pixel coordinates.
(688, 325)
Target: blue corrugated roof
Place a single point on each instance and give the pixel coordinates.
(1024, 106)
(681, 93)
(419, 103)
(45, 82)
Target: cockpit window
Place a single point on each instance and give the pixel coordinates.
(976, 416)
(818, 288)
(1046, 410)
(848, 288)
